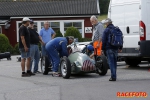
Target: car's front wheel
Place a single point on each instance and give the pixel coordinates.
(65, 68)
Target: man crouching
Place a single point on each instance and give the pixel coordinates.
(57, 48)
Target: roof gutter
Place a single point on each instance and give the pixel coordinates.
(50, 16)
(98, 8)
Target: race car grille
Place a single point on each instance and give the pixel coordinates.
(88, 66)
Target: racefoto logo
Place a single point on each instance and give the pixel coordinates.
(132, 94)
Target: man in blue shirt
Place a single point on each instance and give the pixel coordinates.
(55, 47)
(46, 35)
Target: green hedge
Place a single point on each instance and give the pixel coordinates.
(16, 49)
(4, 44)
(58, 34)
(71, 31)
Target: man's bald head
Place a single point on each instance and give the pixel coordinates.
(93, 20)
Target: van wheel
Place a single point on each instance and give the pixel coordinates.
(133, 62)
(65, 68)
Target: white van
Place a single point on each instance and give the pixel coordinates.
(133, 18)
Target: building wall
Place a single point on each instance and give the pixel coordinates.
(11, 33)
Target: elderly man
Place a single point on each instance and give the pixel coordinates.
(111, 51)
(97, 35)
(46, 34)
(58, 46)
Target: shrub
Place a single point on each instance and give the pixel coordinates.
(16, 49)
(58, 34)
(86, 39)
(71, 31)
(4, 43)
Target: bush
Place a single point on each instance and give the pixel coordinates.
(86, 39)
(16, 49)
(71, 31)
(4, 44)
(58, 34)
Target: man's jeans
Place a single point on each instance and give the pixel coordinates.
(35, 56)
(112, 61)
(43, 50)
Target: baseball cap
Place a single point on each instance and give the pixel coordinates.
(31, 21)
(107, 20)
(26, 19)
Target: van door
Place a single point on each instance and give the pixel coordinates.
(147, 11)
(116, 13)
(131, 23)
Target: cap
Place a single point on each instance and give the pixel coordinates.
(90, 47)
(107, 20)
(31, 21)
(25, 19)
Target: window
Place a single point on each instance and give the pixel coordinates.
(77, 25)
(54, 25)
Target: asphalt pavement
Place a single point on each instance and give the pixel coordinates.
(78, 87)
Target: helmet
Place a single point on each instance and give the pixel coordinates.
(90, 47)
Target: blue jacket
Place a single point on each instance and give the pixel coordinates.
(105, 44)
(60, 44)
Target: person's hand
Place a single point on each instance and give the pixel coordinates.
(43, 43)
(26, 49)
(119, 51)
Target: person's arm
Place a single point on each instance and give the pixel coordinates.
(41, 41)
(53, 34)
(64, 49)
(100, 32)
(40, 37)
(22, 34)
(92, 55)
(104, 40)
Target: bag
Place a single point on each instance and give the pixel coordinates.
(115, 37)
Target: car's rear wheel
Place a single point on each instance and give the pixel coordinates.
(44, 65)
(65, 68)
(102, 65)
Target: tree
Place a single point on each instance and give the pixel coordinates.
(104, 4)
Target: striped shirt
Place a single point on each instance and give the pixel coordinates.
(97, 32)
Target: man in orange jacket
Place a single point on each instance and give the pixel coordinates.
(98, 30)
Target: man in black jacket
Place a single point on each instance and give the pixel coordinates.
(34, 48)
(111, 51)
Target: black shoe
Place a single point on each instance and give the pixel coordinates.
(31, 73)
(26, 75)
(112, 79)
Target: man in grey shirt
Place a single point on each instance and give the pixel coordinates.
(98, 30)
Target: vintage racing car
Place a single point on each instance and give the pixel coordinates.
(77, 62)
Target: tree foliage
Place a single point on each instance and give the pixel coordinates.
(58, 34)
(71, 31)
(104, 4)
(4, 44)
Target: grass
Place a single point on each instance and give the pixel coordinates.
(101, 17)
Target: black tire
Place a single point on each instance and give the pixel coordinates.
(65, 68)
(8, 58)
(102, 65)
(133, 62)
(44, 65)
